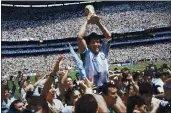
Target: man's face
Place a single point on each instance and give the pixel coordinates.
(69, 83)
(112, 92)
(94, 46)
(19, 106)
(51, 93)
(75, 96)
(7, 94)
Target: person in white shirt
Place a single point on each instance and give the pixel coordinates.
(53, 103)
(158, 86)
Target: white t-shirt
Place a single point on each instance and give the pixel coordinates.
(56, 106)
(67, 109)
(158, 82)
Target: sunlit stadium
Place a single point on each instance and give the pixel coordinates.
(35, 34)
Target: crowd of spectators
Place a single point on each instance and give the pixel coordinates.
(44, 63)
(125, 92)
(140, 52)
(33, 64)
(117, 18)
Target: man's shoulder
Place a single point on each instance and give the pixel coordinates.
(101, 102)
(99, 98)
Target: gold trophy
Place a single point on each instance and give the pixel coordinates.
(89, 9)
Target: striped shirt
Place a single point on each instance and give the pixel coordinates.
(96, 66)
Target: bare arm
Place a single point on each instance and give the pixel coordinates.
(104, 30)
(86, 86)
(130, 78)
(81, 42)
(49, 80)
(135, 86)
(161, 95)
(39, 81)
(119, 106)
(62, 79)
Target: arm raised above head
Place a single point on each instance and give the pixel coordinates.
(105, 31)
(49, 80)
(81, 42)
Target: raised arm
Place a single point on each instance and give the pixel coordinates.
(35, 84)
(62, 79)
(104, 30)
(130, 78)
(81, 42)
(49, 80)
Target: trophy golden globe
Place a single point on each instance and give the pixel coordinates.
(89, 9)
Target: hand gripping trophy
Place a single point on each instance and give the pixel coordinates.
(89, 10)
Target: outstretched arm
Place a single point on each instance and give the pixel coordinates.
(81, 42)
(35, 84)
(62, 79)
(104, 30)
(49, 80)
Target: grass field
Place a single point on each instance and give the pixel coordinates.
(139, 66)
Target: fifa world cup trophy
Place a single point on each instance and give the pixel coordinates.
(89, 9)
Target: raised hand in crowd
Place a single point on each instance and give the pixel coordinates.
(50, 78)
